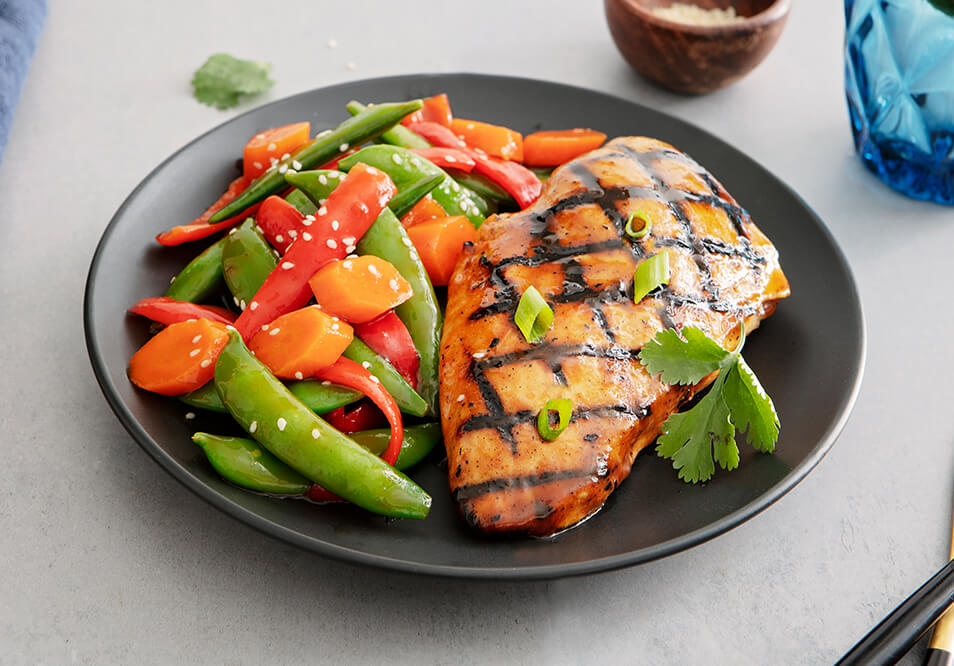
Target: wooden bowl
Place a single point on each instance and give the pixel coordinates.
(695, 59)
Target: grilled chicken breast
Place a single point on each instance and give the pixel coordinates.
(571, 245)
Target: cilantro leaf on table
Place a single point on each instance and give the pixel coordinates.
(223, 79)
(705, 434)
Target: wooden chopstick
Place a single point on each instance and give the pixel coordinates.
(895, 634)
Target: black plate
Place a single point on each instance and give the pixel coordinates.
(809, 355)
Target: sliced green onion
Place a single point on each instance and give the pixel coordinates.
(533, 316)
(644, 230)
(563, 408)
(650, 274)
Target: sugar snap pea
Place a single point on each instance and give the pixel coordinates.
(268, 411)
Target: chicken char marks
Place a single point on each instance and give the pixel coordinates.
(572, 246)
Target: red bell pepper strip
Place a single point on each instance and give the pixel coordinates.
(333, 164)
(318, 494)
(388, 336)
(351, 208)
(517, 179)
(436, 109)
(346, 372)
(363, 415)
(280, 222)
(448, 158)
(199, 227)
(167, 311)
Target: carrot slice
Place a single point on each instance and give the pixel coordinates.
(272, 144)
(424, 210)
(359, 289)
(298, 344)
(440, 242)
(436, 109)
(555, 147)
(494, 140)
(180, 358)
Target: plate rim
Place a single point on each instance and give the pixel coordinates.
(532, 572)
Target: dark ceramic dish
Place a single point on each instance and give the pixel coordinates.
(809, 354)
(695, 59)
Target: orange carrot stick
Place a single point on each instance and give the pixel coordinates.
(440, 242)
(424, 210)
(270, 145)
(555, 147)
(494, 140)
(179, 358)
(359, 289)
(298, 344)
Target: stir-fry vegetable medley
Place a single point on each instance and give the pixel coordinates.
(328, 252)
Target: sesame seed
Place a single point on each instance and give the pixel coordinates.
(306, 222)
(190, 415)
(173, 279)
(416, 162)
(372, 171)
(334, 175)
(351, 248)
(460, 398)
(242, 304)
(479, 354)
(260, 137)
(375, 379)
(279, 238)
(363, 207)
(348, 264)
(286, 265)
(196, 338)
(333, 318)
(306, 236)
(374, 270)
(332, 243)
(334, 225)
(393, 284)
(322, 211)
(396, 159)
(257, 165)
(293, 233)
(326, 383)
(296, 164)
(274, 331)
(253, 426)
(455, 186)
(281, 423)
(253, 305)
(348, 240)
(343, 147)
(271, 146)
(315, 434)
(321, 202)
(323, 133)
(450, 158)
(335, 327)
(285, 156)
(299, 375)
(407, 241)
(273, 161)
(195, 352)
(283, 168)
(205, 363)
(366, 364)
(229, 327)
(323, 179)
(265, 327)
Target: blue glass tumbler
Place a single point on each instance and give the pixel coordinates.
(899, 80)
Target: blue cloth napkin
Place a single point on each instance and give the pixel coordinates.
(20, 23)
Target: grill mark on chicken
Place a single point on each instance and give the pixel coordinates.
(472, 491)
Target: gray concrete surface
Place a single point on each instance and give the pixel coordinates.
(105, 559)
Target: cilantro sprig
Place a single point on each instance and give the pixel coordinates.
(223, 79)
(700, 437)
